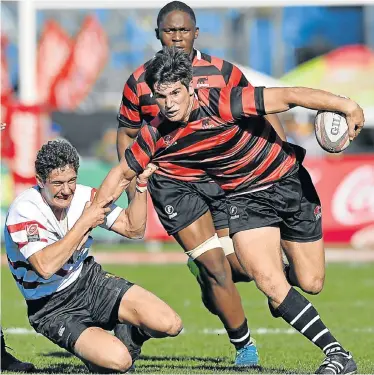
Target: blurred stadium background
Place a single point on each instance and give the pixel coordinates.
(63, 67)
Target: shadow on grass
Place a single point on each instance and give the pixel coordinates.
(62, 368)
(57, 354)
(165, 364)
(200, 364)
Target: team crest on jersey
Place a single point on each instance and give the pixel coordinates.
(206, 124)
(32, 233)
(317, 212)
(202, 82)
(168, 139)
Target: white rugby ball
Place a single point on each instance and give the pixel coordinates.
(331, 131)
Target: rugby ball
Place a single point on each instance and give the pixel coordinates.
(331, 131)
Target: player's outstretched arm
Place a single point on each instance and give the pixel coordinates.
(125, 138)
(281, 99)
(116, 181)
(131, 222)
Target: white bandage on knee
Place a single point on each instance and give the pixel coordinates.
(210, 244)
(227, 245)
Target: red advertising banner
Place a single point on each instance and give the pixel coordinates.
(24, 135)
(87, 59)
(55, 47)
(6, 87)
(346, 188)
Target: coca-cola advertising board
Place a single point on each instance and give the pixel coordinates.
(346, 188)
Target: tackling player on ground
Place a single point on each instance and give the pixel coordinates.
(71, 300)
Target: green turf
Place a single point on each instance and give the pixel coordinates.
(138, 246)
(346, 305)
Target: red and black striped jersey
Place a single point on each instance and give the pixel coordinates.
(226, 136)
(138, 105)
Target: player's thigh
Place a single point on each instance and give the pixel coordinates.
(301, 233)
(215, 198)
(260, 255)
(142, 308)
(178, 205)
(197, 233)
(103, 349)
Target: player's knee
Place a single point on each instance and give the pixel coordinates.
(271, 284)
(121, 360)
(312, 284)
(174, 325)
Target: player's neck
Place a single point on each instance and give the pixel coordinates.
(60, 213)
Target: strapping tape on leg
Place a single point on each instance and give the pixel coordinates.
(210, 244)
(227, 245)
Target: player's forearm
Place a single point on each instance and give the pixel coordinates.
(133, 221)
(283, 98)
(125, 138)
(277, 125)
(113, 185)
(49, 260)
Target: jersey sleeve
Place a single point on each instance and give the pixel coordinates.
(141, 152)
(234, 103)
(27, 228)
(129, 115)
(233, 75)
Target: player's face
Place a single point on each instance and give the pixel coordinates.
(174, 100)
(59, 187)
(177, 29)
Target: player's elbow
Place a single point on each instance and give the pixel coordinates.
(44, 271)
(41, 267)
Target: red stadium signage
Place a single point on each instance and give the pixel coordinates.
(24, 135)
(346, 188)
(88, 57)
(6, 87)
(345, 185)
(55, 47)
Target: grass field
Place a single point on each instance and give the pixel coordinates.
(346, 306)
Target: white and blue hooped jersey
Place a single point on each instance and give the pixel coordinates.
(31, 226)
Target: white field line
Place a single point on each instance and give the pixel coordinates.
(128, 257)
(206, 331)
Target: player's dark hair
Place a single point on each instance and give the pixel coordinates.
(171, 7)
(170, 65)
(55, 154)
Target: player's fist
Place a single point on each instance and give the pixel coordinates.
(355, 119)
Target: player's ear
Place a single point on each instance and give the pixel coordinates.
(197, 30)
(157, 32)
(191, 89)
(39, 181)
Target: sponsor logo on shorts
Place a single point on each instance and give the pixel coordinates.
(170, 211)
(318, 212)
(233, 212)
(32, 232)
(61, 331)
